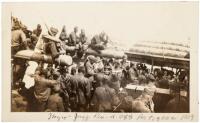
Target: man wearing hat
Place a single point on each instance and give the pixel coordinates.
(124, 62)
(73, 40)
(89, 66)
(63, 35)
(65, 79)
(50, 47)
(18, 39)
(38, 30)
(82, 40)
(83, 90)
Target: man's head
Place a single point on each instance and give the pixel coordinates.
(92, 59)
(63, 70)
(38, 27)
(99, 78)
(150, 78)
(64, 28)
(148, 93)
(81, 69)
(75, 29)
(175, 87)
(73, 71)
(124, 57)
(56, 75)
(104, 37)
(82, 31)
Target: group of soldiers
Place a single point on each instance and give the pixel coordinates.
(97, 84)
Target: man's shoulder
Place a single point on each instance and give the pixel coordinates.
(99, 89)
(72, 33)
(19, 31)
(88, 63)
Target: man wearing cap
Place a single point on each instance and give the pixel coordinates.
(73, 37)
(73, 40)
(35, 35)
(38, 30)
(89, 66)
(82, 41)
(48, 46)
(65, 86)
(124, 62)
(83, 90)
(63, 35)
(18, 39)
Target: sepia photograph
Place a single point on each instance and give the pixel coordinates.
(101, 57)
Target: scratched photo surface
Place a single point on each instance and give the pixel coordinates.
(102, 57)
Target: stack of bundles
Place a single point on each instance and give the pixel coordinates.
(161, 48)
(164, 46)
(176, 43)
(34, 56)
(110, 53)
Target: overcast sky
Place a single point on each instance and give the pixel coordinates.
(125, 22)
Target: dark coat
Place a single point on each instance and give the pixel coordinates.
(83, 89)
(43, 88)
(55, 103)
(103, 99)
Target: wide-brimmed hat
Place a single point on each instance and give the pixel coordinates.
(151, 77)
(53, 30)
(92, 59)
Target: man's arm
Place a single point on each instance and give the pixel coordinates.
(60, 105)
(89, 69)
(46, 81)
(87, 87)
(24, 39)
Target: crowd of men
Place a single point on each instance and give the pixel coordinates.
(96, 84)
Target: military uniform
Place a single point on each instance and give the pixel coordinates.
(89, 68)
(73, 41)
(37, 31)
(63, 35)
(83, 91)
(42, 91)
(65, 90)
(99, 43)
(103, 99)
(55, 103)
(17, 41)
(18, 102)
(73, 97)
(144, 102)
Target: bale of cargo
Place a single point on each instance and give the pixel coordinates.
(176, 43)
(160, 52)
(34, 56)
(64, 60)
(109, 53)
(162, 46)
